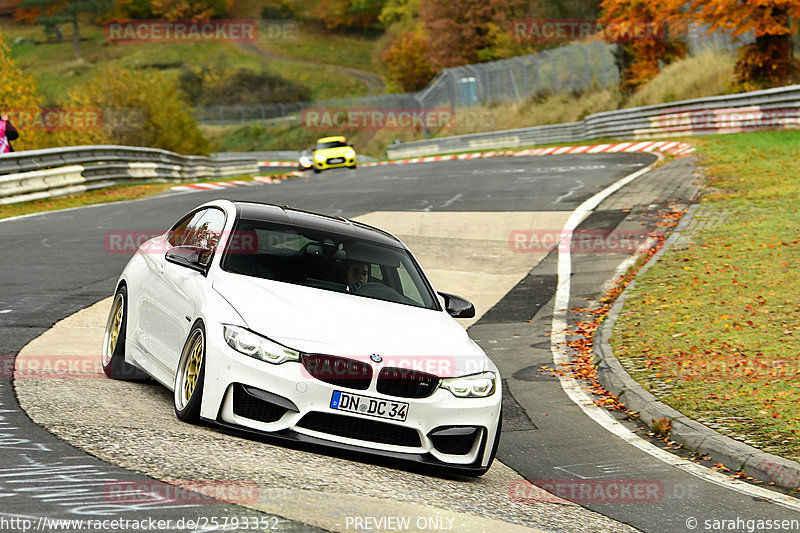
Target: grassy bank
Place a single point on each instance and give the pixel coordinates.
(713, 329)
(58, 71)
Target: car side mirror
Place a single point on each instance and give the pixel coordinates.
(192, 257)
(457, 307)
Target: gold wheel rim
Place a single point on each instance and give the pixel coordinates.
(116, 325)
(193, 364)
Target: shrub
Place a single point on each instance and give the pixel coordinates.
(148, 109)
(208, 87)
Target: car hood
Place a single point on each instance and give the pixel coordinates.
(315, 320)
(334, 152)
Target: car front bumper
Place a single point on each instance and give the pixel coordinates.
(287, 402)
(327, 164)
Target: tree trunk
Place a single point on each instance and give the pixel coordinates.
(76, 38)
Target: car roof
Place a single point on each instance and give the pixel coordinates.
(291, 216)
(331, 139)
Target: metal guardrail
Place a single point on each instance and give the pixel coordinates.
(37, 174)
(777, 108)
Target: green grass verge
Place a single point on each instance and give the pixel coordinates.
(713, 328)
(320, 46)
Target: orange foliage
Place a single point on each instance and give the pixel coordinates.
(646, 33)
(190, 9)
(361, 14)
(459, 29)
(406, 62)
(27, 15)
(770, 58)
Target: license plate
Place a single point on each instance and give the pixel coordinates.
(336, 160)
(364, 405)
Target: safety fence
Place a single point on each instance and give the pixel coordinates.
(777, 108)
(37, 174)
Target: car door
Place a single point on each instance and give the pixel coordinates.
(177, 291)
(152, 322)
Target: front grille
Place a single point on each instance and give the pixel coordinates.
(458, 442)
(339, 371)
(248, 406)
(360, 429)
(406, 383)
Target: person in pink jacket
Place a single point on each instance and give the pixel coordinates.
(8, 133)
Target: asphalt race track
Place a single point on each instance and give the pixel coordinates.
(459, 214)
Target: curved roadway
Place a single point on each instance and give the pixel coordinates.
(55, 264)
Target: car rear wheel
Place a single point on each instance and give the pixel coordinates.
(190, 376)
(113, 350)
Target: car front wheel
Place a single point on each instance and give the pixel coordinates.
(190, 376)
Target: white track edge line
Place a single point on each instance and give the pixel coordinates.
(575, 390)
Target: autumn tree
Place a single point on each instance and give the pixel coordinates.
(400, 13)
(174, 9)
(769, 59)
(459, 29)
(19, 94)
(407, 63)
(55, 12)
(645, 33)
(140, 108)
(190, 9)
(356, 14)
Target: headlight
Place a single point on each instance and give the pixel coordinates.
(319, 157)
(350, 153)
(474, 386)
(305, 161)
(258, 347)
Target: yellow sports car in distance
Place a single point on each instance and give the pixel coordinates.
(333, 152)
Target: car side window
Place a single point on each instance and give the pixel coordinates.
(178, 235)
(204, 232)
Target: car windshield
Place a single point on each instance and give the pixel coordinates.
(327, 261)
(331, 144)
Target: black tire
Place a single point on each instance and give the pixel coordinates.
(482, 471)
(352, 167)
(113, 350)
(316, 170)
(190, 376)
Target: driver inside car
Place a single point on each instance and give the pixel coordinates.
(357, 275)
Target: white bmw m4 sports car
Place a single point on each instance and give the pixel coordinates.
(307, 327)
